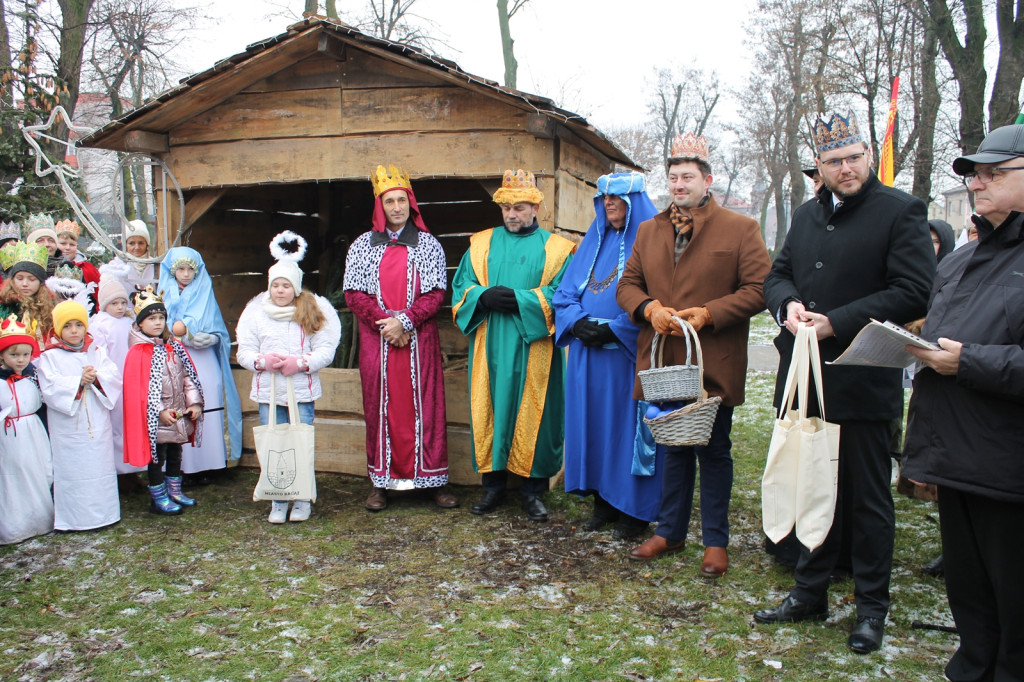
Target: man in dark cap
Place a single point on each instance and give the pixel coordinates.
(966, 421)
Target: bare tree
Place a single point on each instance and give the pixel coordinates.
(966, 58)
(683, 100)
(505, 13)
(733, 164)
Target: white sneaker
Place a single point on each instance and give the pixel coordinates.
(278, 512)
(300, 511)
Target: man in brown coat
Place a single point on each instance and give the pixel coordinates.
(705, 264)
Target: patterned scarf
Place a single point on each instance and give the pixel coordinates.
(158, 365)
(684, 228)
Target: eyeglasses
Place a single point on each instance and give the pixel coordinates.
(987, 175)
(836, 164)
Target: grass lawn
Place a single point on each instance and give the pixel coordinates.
(416, 592)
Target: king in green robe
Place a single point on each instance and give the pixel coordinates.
(516, 374)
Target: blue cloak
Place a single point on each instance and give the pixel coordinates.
(608, 449)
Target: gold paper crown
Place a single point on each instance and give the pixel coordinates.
(146, 298)
(30, 253)
(10, 230)
(68, 271)
(7, 255)
(517, 187)
(836, 132)
(392, 178)
(12, 327)
(690, 146)
(37, 221)
(68, 226)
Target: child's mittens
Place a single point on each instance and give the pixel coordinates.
(292, 364)
(268, 361)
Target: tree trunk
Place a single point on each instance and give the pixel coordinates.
(967, 62)
(311, 7)
(331, 7)
(6, 91)
(1004, 104)
(928, 108)
(507, 45)
(75, 15)
(782, 223)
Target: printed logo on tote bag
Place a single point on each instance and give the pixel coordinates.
(281, 470)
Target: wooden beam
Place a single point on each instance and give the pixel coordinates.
(430, 155)
(199, 204)
(331, 46)
(146, 141)
(541, 126)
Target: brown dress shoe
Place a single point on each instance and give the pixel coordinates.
(444, 498)
(654, 548)
(377, 500)
(716, 562)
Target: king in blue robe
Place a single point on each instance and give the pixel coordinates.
(609, 451)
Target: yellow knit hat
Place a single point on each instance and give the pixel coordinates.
(65, 312)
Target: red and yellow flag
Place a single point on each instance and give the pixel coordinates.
(885, 170)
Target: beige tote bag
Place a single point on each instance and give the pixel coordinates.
(286, 453)
(798, 488)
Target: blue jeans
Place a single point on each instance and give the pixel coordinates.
(306, 413)
(680, 474)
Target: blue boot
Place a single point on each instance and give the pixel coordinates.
(174, 492)
(162, 504)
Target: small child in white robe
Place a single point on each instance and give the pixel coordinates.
(80, 386)
(26, 507)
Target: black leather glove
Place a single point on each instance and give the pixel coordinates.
(500, 299)
(603, 335)
(585, 330)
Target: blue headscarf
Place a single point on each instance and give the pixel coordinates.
(196, 306)
(630, 187)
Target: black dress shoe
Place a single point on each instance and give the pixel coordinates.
(866, 635)
(488, 503)
(604, 514)
(535, 509)
(792, 610)
(935, 567)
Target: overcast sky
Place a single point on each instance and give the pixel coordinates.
(595, 57)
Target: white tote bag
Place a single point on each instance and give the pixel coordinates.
(286, 453)
(799, 484)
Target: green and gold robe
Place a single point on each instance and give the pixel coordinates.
(516, 374)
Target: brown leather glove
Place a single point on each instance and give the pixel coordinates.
(697, 317)
(660, 318)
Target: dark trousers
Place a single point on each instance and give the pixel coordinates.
(864, 509)
(680, 475)
(983, 550)
(497, 481)
(169, 454)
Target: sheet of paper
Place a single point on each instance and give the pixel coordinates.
(882, 344)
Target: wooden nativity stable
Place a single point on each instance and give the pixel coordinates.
(285, 136)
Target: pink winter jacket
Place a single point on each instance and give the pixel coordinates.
(179, 391)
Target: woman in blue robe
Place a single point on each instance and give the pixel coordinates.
(609, 451)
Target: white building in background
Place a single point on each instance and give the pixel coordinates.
(958, 208)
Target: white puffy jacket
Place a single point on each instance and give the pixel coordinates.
(259, 334)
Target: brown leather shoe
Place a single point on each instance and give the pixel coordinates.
(444, 498)
(654, 548)
(377, 500)
(716, 562)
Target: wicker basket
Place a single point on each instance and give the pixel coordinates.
(676, 382)
(689, 425)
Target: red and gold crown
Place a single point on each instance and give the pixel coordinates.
(68, 226)
(519, 186)
(690, 146)
(837, 132)
(13, 332)
(391, 178)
